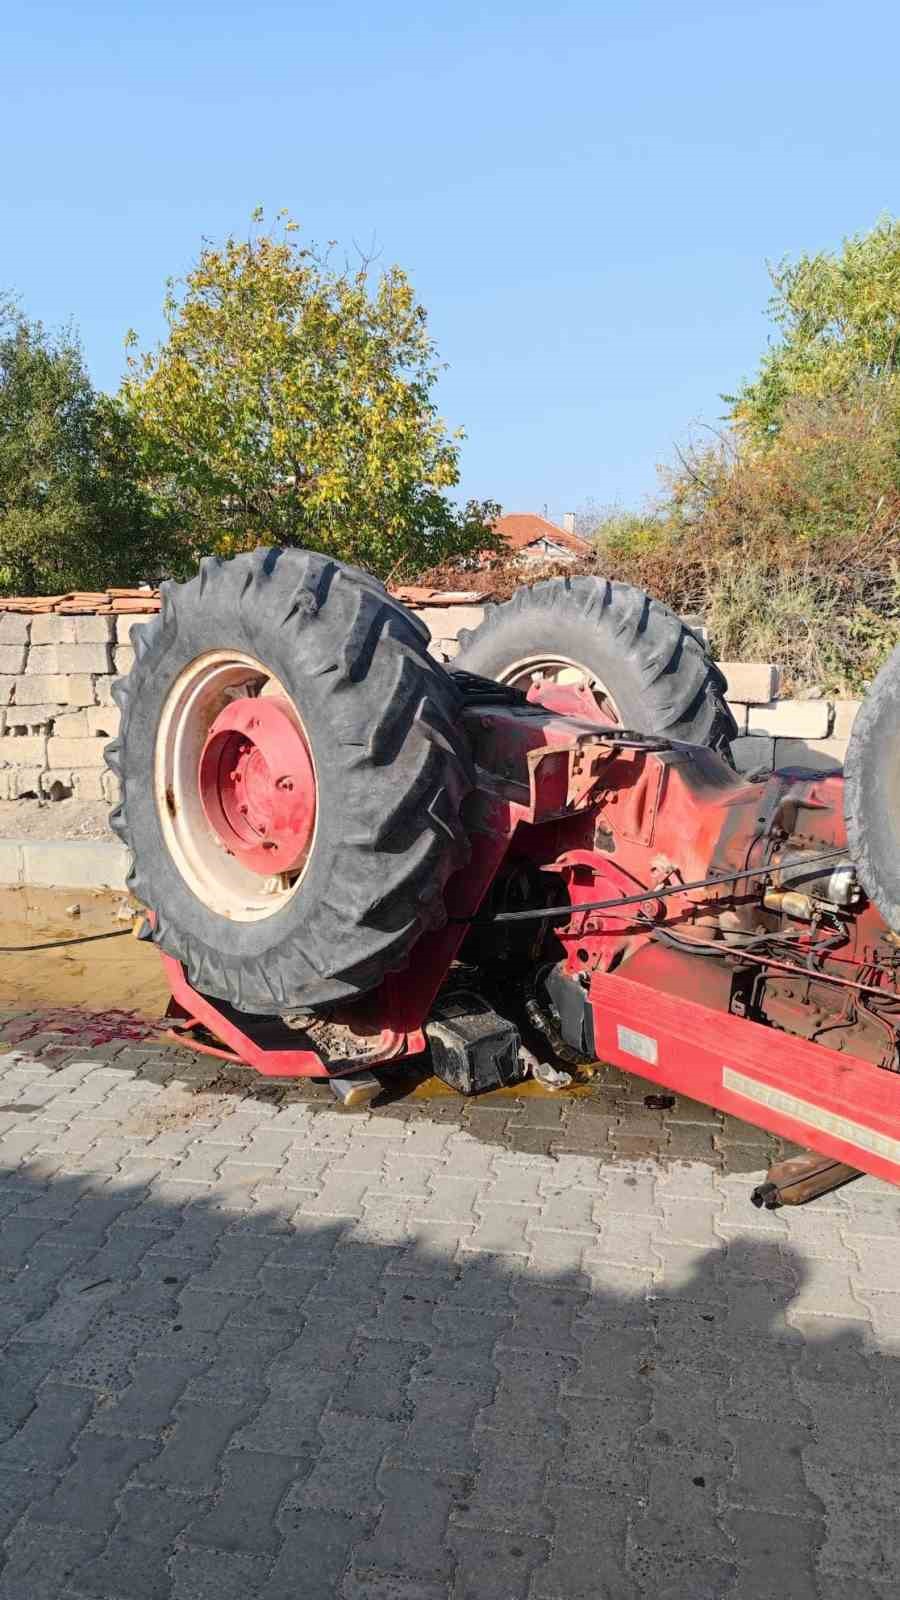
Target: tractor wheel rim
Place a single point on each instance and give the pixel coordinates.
(527, 673)
(229, 735)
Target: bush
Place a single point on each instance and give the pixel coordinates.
(73, 513)
(789, 550)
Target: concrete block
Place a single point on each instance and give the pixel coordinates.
(72, 630)
(14, 627)
(10, 861)
(66, 689)
(739, 712)
(754, 682)
(755, 754)
(57, 784)
(90, 783)
(68, 658)
(791, 719)
(445, 622)
(72, 725)
(94, 630)
(53, 630)
(75, 864)
(78, 689)
(12, 657)
(74, 752)
(125, 624)
(813, 755)
(28, 719)
(23, 750)
(844, 716)
(123, 659)
(103, 721)
(7, 689)
(20, 783)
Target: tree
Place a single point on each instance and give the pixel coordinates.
(292, 402)
(838, 314)
(784, 532)
(72, 511)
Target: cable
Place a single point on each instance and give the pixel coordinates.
(704, 947)
(571, 909)
(60, 944)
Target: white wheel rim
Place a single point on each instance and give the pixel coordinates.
(215, 876)
(531, 670)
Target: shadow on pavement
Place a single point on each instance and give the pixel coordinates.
(208, 1394)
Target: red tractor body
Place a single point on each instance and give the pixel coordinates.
(667, 915)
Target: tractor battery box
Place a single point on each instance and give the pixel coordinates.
(472, 1047)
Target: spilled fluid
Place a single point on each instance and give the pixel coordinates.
(116, 988)
(112, 975)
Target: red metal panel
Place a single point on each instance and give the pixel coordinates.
(830, 1101)
(278, 1060)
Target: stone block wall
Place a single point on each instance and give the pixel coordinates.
(56, 707)
(57, 669)
(776, 732)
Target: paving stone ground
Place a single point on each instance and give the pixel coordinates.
(533, 1349)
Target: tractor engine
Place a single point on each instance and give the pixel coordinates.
(778, 929)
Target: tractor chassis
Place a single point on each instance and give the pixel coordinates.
(554, 788)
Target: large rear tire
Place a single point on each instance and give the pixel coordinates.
(872, 792)
(390, 769)
(647, 670)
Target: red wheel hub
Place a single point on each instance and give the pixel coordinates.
(258, 786)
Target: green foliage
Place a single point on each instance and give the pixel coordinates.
(628, 536)
(72, 513)
(785, 533)
(291, 402)
(838, 316)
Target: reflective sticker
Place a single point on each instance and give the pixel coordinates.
(642, 1045)
(879, 1144)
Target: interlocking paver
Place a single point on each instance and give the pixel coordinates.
(86, 1494)
(580, 1566)
(127, 1567)
(40, 1561)
(344, 1478)
(411, 1535)
(501, 1229)
(44, 1440)
(440, 1435)
(190, 1458)
(203, 1574)
(676, 1539)
(243, 1516)
(405, 1356)
(318, 1547)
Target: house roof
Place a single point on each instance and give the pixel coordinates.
(520, 529)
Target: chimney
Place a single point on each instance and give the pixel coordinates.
(569, 521)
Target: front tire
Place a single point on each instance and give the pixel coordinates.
(380, 723)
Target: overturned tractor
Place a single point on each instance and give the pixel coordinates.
(350, 855)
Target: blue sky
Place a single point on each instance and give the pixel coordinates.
(585, 196)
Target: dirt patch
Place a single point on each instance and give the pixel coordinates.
(179, 1109)
(54, 819)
